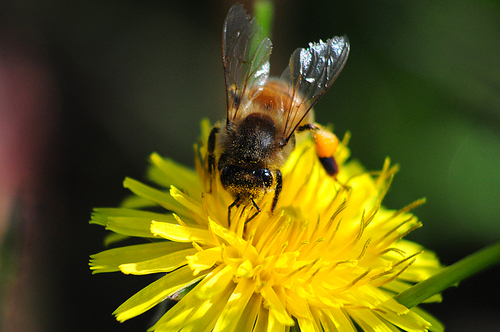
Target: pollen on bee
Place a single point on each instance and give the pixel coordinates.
(326, 143)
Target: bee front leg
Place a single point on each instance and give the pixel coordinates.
(277, 191)
(256, 212)
(310, 126)
(236, 202)
(211, 156)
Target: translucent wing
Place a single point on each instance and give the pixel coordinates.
(310, 73)
(246, 59)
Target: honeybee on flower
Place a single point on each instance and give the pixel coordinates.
(264, 113)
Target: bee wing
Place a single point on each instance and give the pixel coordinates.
(246, 59)
(311, 71)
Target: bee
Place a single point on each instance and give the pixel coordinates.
(263, 113)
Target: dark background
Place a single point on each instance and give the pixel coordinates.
(89, 89)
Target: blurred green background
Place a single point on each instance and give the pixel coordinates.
(89, 89)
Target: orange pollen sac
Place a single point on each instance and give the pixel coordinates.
(326, 143)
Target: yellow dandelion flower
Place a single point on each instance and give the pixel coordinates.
(330, 258)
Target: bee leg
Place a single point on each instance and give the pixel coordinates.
(211, 156)
(326, 143)
(330, 165)
(277, 191)
(236, 202)
(256, 212)
(309, 126)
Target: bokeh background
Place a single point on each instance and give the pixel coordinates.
(89, 89)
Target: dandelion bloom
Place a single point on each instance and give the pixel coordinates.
(330, 258)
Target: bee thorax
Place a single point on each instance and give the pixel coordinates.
(252, 141)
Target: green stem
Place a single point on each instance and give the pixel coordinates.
(263, 12)
(450, 275)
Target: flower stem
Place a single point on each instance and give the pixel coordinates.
(263, 12)
(450, 275)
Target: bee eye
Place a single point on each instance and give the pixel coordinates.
(266, 176)
(227, 172)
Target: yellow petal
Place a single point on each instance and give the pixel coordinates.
(186, 201)
(435, 326)
(154, 195)
(193, 314)
(130, 226)
(230, 237)
(408, 322)
(156, 292)
(308, 325)
(165, 263)
(297, 305)
(230, 316)
(180, 233)
(204, 259)
(341, 319)
(109, 260)
(215, 282)
(274, 325)
(262, 320)
(276, 306)
(249, 315)
(100, 215)
(167, 172)
(245, 270)
(368, 321)
(325, 319)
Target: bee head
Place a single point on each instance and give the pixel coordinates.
(246, 183)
